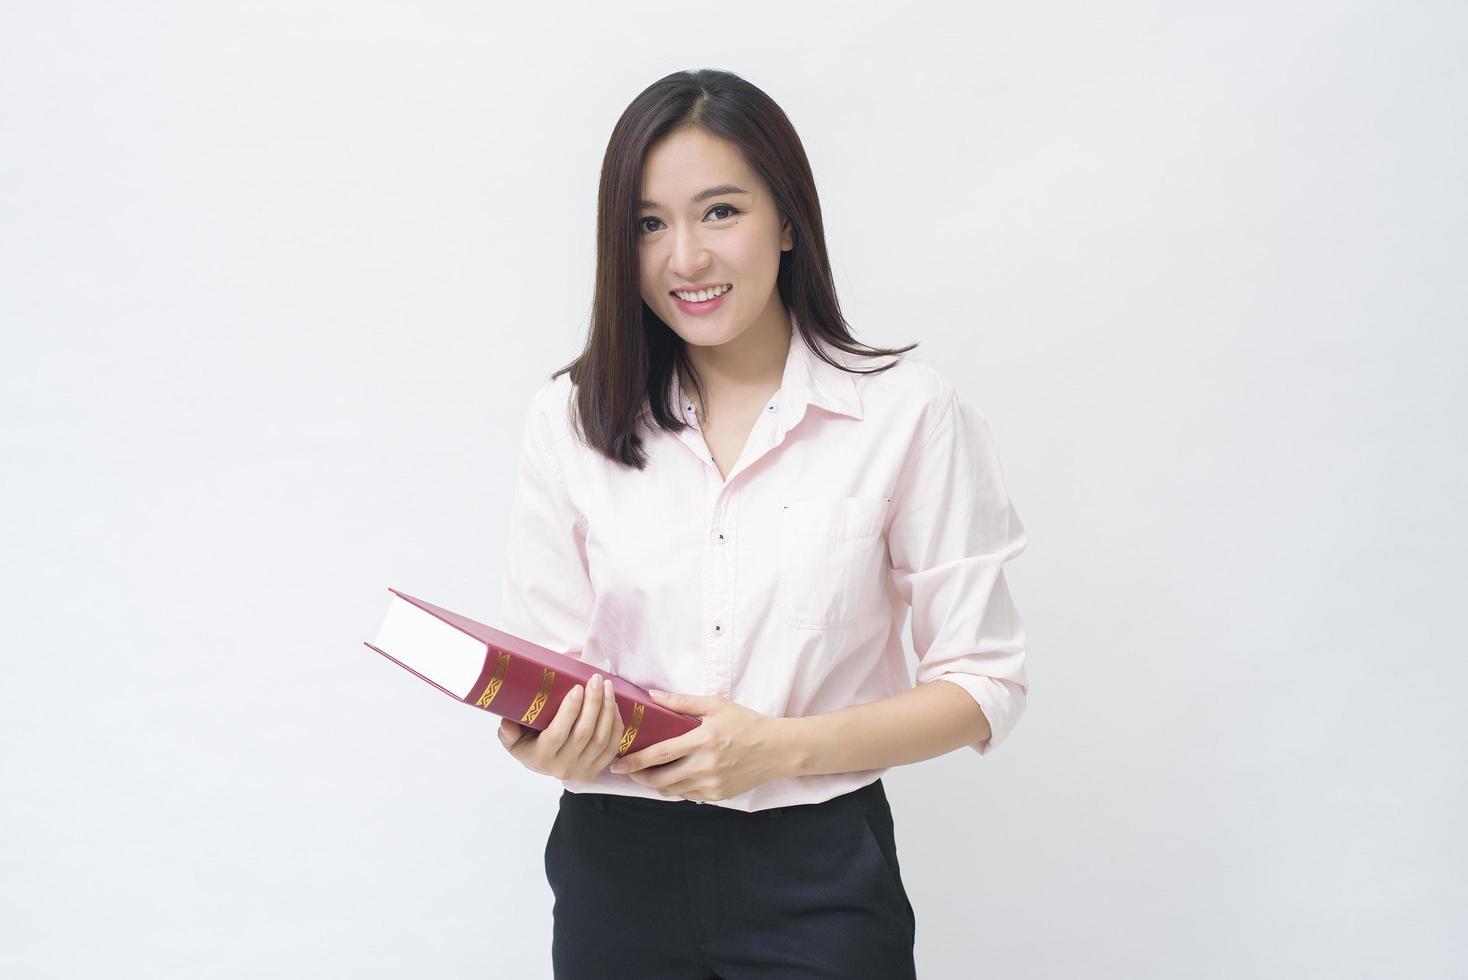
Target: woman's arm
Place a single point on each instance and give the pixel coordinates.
(928, 720)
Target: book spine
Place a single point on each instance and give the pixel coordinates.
(491, 686)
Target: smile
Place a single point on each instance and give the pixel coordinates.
(703, 295)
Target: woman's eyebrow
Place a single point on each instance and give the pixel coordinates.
(719, 191)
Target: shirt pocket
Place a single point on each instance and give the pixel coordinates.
(829, 550)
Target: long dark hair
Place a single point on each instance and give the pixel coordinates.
(630, 354)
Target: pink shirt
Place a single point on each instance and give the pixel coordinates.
(786, 586)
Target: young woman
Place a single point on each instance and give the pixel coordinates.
(727, 498)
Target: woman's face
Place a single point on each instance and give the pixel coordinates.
(690, 238)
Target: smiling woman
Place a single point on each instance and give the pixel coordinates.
(719, 499)
(710, 244)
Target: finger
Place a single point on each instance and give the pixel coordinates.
(659, 754)
(585, 721)
(666, 778)
(603, 739)
(683, 788)
(616, 712)
(554, 735)
(511, 732)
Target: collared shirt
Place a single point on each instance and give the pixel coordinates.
(785, 586)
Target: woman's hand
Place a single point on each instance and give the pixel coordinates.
(580, 740)
(734, 750)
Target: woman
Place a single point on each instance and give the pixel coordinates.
(725, 497)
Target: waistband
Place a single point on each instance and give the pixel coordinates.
(873, 792)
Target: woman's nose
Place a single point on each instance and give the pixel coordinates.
(690, 256)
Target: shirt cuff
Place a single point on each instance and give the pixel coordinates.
(1002, 702)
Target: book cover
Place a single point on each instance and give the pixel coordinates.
(508, 675)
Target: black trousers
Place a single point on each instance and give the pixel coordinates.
(678, 890)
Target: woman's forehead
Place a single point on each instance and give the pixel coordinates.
(683, 166)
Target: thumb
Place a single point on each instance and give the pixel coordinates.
(509, 732)
(689, 704)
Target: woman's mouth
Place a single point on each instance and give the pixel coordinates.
(703, 301)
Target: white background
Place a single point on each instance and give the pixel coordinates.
(278, 279)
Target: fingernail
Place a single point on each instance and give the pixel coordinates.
(576, 691)
(619, 767)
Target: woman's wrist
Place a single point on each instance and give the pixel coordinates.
(789, 747)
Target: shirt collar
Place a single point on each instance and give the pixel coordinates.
(807, 380)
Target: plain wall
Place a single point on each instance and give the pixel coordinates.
(277, 282)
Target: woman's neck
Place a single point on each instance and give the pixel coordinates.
(748, 368)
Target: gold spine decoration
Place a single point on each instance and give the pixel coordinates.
(630, 735)
(547, 678)
(496, 680)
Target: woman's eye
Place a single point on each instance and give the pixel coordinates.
(643, 229)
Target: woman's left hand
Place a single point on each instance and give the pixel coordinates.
(732, 751)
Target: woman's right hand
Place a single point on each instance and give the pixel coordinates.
(580, 741)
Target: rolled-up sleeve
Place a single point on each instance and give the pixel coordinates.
(546, 594)
(952, 530)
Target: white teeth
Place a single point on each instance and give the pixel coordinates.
(704, 295)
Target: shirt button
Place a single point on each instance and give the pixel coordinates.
(718, 628)
(721, 536)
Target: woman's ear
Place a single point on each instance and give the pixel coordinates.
(787, 234)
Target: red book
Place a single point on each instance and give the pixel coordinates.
(509, 676)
